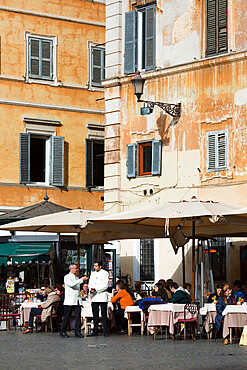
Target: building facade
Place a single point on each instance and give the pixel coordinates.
(194, 53)
(51, 103)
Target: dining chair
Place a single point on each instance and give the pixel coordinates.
(190, 309)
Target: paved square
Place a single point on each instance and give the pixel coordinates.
(49, 351)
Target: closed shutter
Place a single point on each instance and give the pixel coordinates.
(96, 66)
(130, 42)
(40, 58)
(216, 26)
(46, 59)
(211, 151)
(217, 151)
(131, 160)
(211, 27)
(34, 57)
(24, 158)
(150, 37)
(156, 157)
(222, 25)
(57, 161)
(89, 163)
(222, 150)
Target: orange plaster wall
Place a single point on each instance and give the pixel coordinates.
(72, 69)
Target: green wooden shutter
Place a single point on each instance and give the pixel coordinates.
(222, 25)
(57, 161)
(217, 151)
(222, 150)
(131, 160)
(89, 163)
(216, 26)
(130, 41)
(24, 158)
(211, 152)
(211, 27)
(150, 32)
(98, 66)
(46, 58)
(34, 57)
(156, 157)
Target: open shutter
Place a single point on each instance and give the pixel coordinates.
(46, 59)
(211, 151)
(131, 160)
(150, 37)
(222, 25)
(89, 163)
(211, 27)
(156, 157)
(130, 35)
(34, 57)
(222, 150)
(24, 158)
(57, 161)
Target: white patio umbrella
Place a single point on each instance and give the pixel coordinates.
(178, 220)
(72, 221)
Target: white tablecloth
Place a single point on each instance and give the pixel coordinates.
(208, 307)
(131, 309)
(235, 309)
(174, 307)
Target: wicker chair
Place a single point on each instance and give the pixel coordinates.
(190, 309)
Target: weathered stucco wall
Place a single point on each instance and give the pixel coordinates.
(213, 95)
(69, 100)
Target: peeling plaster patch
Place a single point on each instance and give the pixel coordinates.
(151, 122)
(169, 14)
(173, 138)
(182, 52)
(183, 4)
(240, 98)
(183, 144)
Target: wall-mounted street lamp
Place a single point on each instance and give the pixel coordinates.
(138, 83)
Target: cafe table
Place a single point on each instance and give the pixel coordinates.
(235, 316)
(209, 311)
(25, 309)
(129, 310)
(165, 315)
(87, 315)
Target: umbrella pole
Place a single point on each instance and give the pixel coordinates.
(193, 258)
(78, 254)
(183, 263)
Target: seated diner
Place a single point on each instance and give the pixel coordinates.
(125, 300)
(179, 294)
(225, 298)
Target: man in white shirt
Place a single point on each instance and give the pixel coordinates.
(98, 284)
(72, 301)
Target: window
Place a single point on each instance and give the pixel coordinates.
(218, 259)
(94, 163)
(216, 21)
(217, 151)
(41, 159)
(140, 39)
(144, 159)
(41, 57)
(147, 260)
(97, 65)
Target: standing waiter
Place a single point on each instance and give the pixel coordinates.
(72, 301)
(98, 284)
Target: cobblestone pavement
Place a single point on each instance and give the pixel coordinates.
(49, 351)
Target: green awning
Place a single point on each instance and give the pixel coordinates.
(20, 253)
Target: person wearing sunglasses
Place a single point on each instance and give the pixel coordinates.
(42, 295)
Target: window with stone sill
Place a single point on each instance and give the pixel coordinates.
(144, 159)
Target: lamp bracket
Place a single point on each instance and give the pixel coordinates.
(173, 110)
